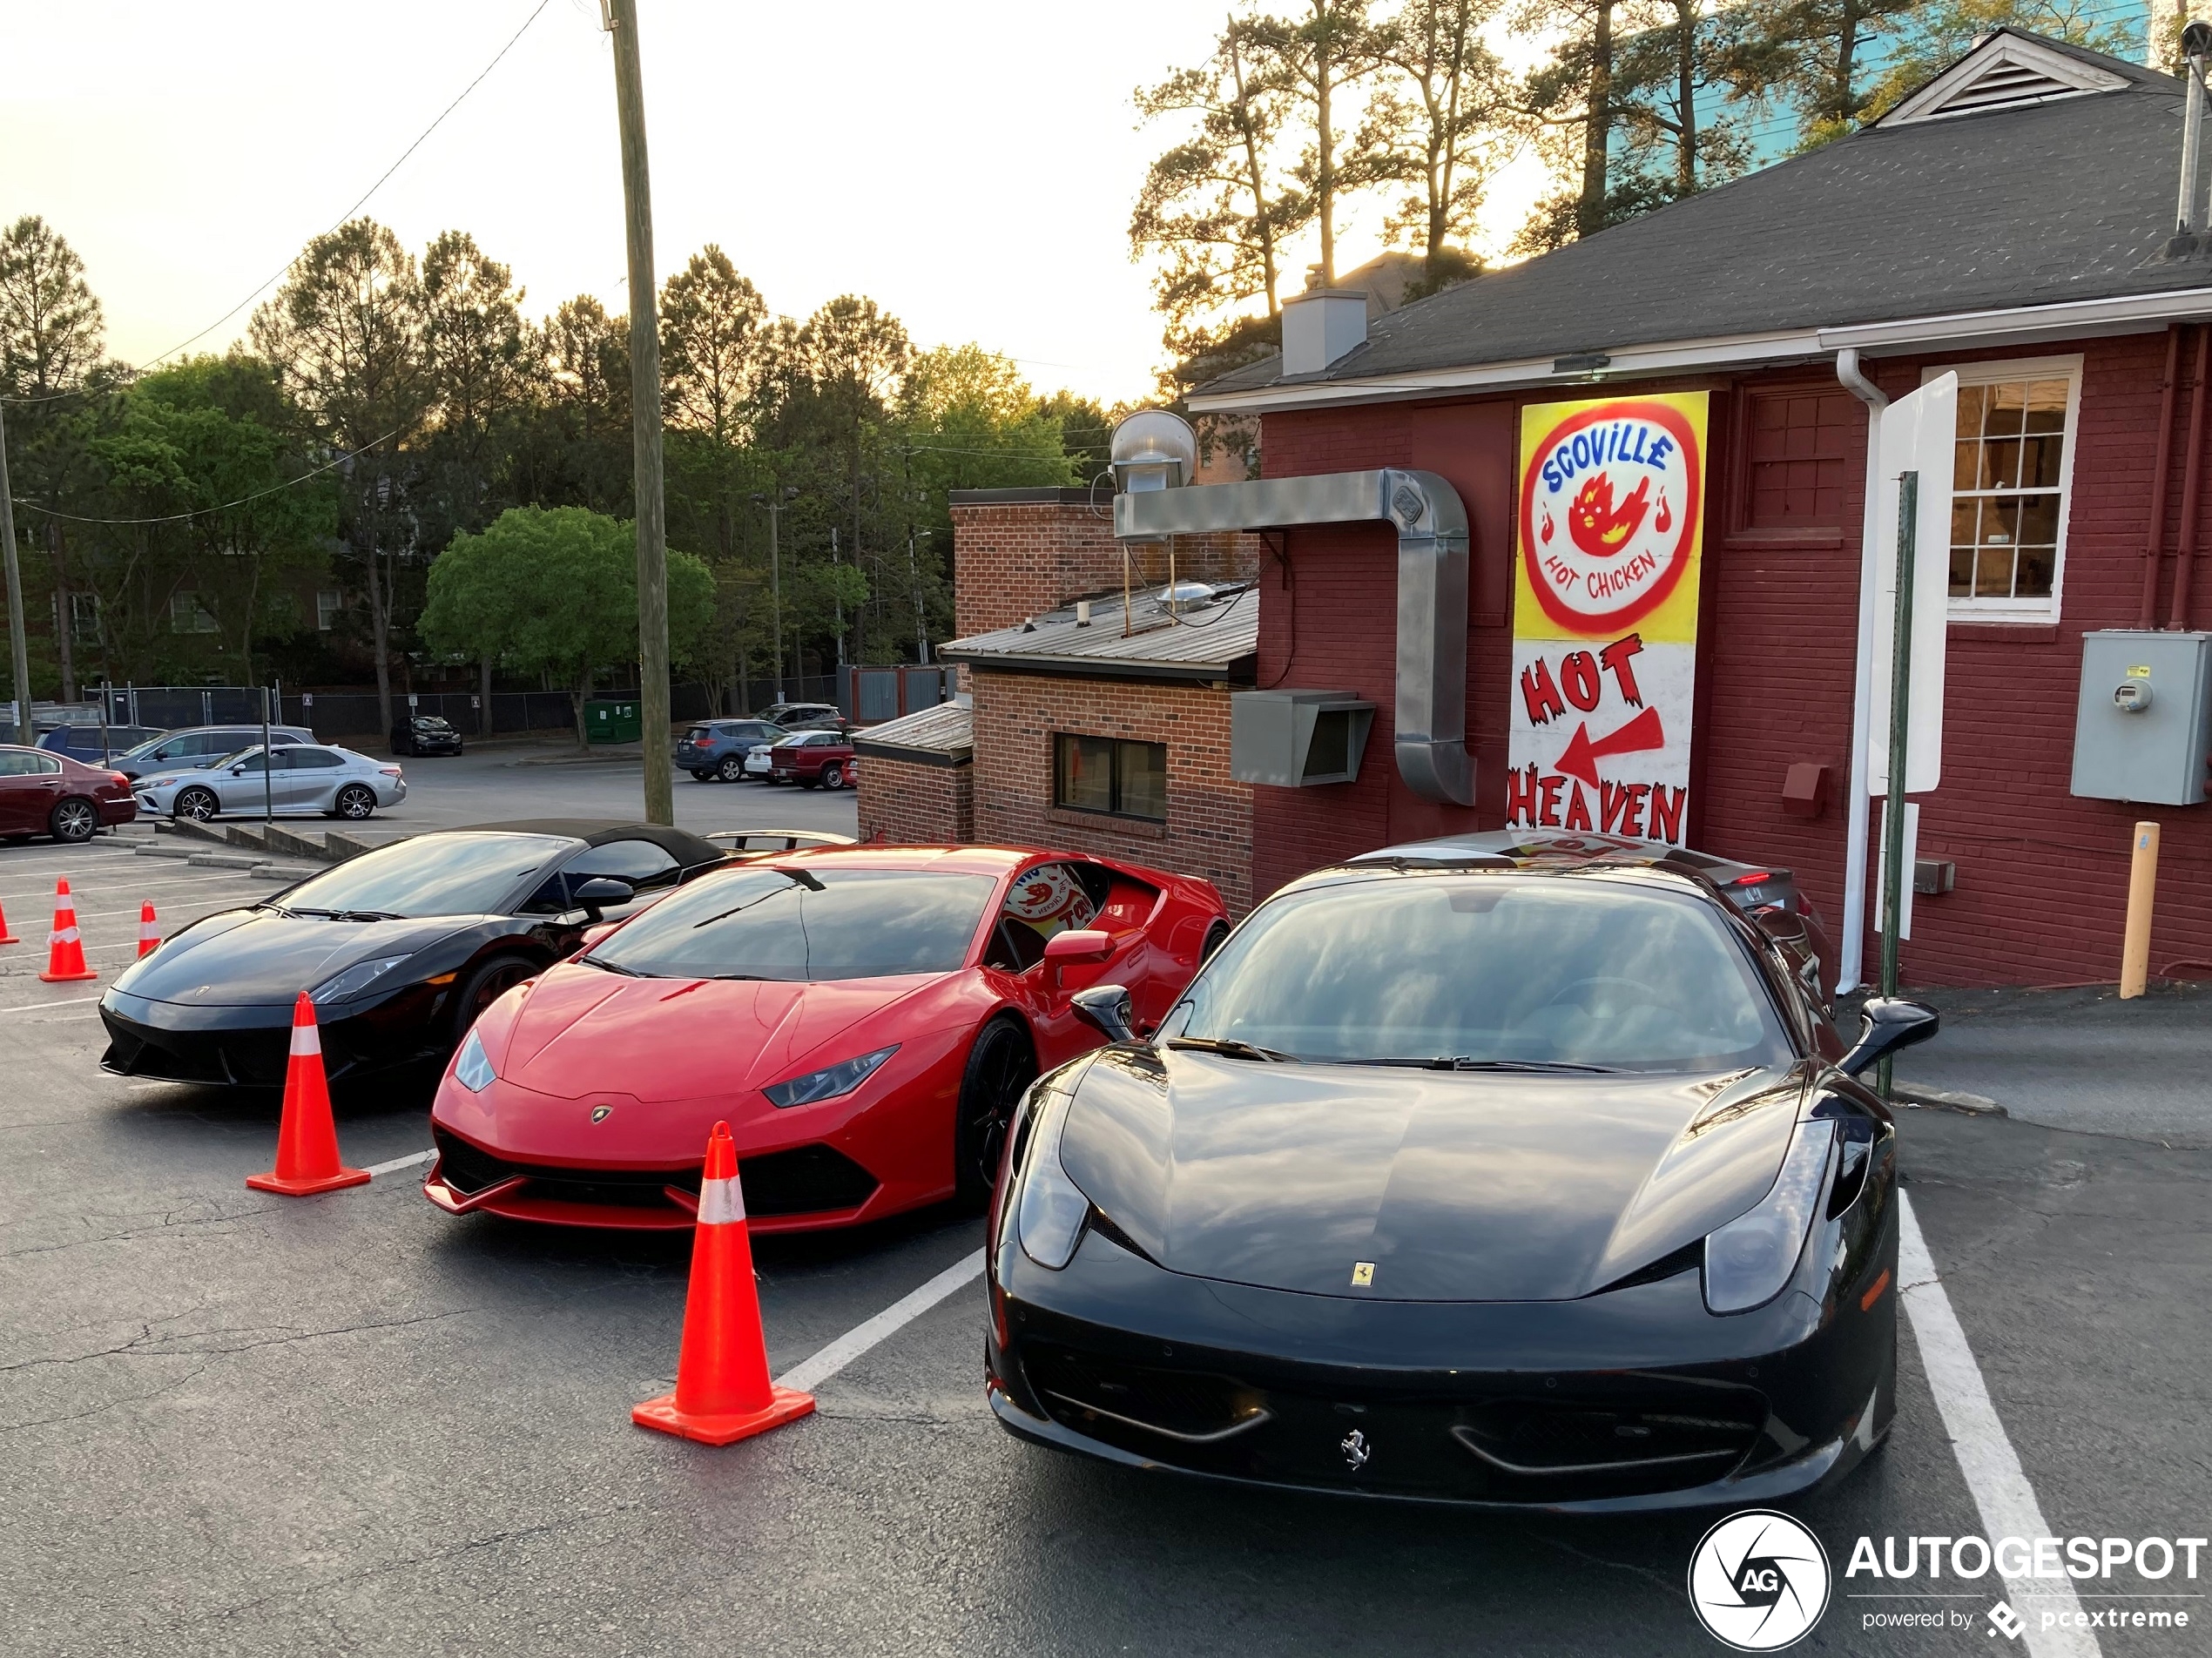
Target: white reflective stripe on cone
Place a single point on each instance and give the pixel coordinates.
(720, 1203)
(306, 1039)
(66, 935)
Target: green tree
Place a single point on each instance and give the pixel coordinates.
(573, 445)
(1448, 137)
(554, 590)
(1571, 102)
(1320, 55)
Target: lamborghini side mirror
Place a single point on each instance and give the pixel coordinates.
(601, 890)
(1892, 1023)
(1106, 1009)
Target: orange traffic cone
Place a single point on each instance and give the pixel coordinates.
(7, 937)
(149, 933)
(66, 945)
(306, 1159)
(723, 1392)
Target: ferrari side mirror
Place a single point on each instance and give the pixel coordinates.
(1106, 1009)
(1892, 1023)
(1076, 945)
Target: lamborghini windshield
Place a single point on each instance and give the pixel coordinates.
(803, 923)
(452, 874)
(1486, 970)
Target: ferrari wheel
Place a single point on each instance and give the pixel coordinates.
(1217, 935)
(1000, 1066)
(199, 805)
(74, 820)
(484, 986)
(730, 770)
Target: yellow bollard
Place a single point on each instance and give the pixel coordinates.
(2142, 885)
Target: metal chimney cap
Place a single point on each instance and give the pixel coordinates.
(1154, 450)
(2196, 40)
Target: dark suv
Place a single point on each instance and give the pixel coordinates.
(806, 717)
(716, 748)
(425, 734)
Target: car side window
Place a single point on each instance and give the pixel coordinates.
(18, 765)
(1052, 898)
(312, 759)
(646, 866)
(256, 764)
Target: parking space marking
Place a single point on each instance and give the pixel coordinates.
(1986, 1456)
(40, 1006)
(811, 1372)
(398, 1163)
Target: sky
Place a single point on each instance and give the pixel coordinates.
(970, 167)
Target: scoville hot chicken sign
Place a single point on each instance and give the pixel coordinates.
(1605, 614)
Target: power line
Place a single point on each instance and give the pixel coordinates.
(279, 274)
(201, 512)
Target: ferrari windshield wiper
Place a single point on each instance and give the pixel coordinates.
(1229, 1047)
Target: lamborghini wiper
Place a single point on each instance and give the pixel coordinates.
(1462, 1062)
(1229, 1047)
(605, 966)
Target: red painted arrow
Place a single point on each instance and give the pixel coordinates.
(1580, 758)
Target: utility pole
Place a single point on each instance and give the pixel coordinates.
(775, 506)
(913, 583)
(620, 19)
(21, 652)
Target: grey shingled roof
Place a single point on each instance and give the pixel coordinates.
(1216, 640)
(2032, 204)
(944, 735)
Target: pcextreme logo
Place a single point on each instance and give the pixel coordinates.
(1758, 1581)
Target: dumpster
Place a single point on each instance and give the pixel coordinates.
(612, 722)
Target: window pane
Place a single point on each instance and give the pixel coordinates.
(2001, 518)
(1962, 572)
(2000, 464)
(2005, 410)
(2033, 579)
(2039, 459)
(1965, 514)
(2039, 519)
(1144, 780)
(1085, 769)
(1993, 572)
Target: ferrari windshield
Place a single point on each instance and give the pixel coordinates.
(804, 923)
(457, 874)
(1469, 971)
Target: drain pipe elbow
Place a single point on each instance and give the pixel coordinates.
(1858, 810)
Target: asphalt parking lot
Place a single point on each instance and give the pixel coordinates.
(239, 1424)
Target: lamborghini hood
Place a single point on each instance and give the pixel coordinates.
(1451, 1186)
(582, 1030)
(257, 958)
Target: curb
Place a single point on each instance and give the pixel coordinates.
(1973, 1105)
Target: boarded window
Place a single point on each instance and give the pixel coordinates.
(1798, 463)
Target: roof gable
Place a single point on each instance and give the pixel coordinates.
(2005, 70)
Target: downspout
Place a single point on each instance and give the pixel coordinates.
(2192, 469)
(2155, 537)
(1859, 813)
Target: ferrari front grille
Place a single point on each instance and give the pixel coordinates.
(1679, 1443)
(1088, 1391)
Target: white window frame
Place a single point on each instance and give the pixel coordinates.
(2067, 367)
(330, 603)
(197, 618)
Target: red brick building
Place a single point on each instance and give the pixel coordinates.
(2013, 222)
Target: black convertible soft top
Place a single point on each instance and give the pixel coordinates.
(682, 844)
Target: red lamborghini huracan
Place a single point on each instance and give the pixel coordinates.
(865, 1019)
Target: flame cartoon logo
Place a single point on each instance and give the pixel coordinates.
(1546, 532)
(1600, 528)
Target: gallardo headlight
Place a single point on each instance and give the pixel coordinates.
(830, 1081)
(472, 1065)
(1749, 1260)
(1054, 1208)
(353, 980)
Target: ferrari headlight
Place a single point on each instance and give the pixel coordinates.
(830, 1081)
(1053, 1208)
(1749, 1260)
(353, 980)
(472, 1065)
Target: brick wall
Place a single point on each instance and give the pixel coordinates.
(907, 804)
(1209, 826)
(2041, 875)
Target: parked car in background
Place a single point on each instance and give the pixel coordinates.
(295, 779)
(806, 717)
(45, 793)
(425, 734)
(812, 760)
(202, 746)
(98, 745)
(759, 765)
(715, 749)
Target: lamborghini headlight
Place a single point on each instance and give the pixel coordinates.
(353, 980)
(1053, 1209)
(830, 1081)
(472, 1066)
(1749, 1260)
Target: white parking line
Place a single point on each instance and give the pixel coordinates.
(811, 1372)
(40, 1006)
(1985, 1455)
(398, 1163)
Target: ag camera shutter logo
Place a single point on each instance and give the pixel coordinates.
(1758, 1581)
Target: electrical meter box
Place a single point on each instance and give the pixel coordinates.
(2143, 728)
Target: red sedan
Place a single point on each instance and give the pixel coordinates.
(865, 1019)
(45, 792)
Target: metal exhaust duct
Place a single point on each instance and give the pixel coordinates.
(1430, 717)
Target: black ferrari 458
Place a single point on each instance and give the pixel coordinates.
(1532, 1182)
(400, 949)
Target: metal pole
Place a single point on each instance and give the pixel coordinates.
(2192, 141)
(913, 580)
(776, 590)
(621, 18)
(268, 759)
(1908, 511)
(839, 599)
(16, 643)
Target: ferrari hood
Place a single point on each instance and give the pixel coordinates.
(582, 1030)
(1451, 1186)
(257, 958)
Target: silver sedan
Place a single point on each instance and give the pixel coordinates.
(310, 778)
